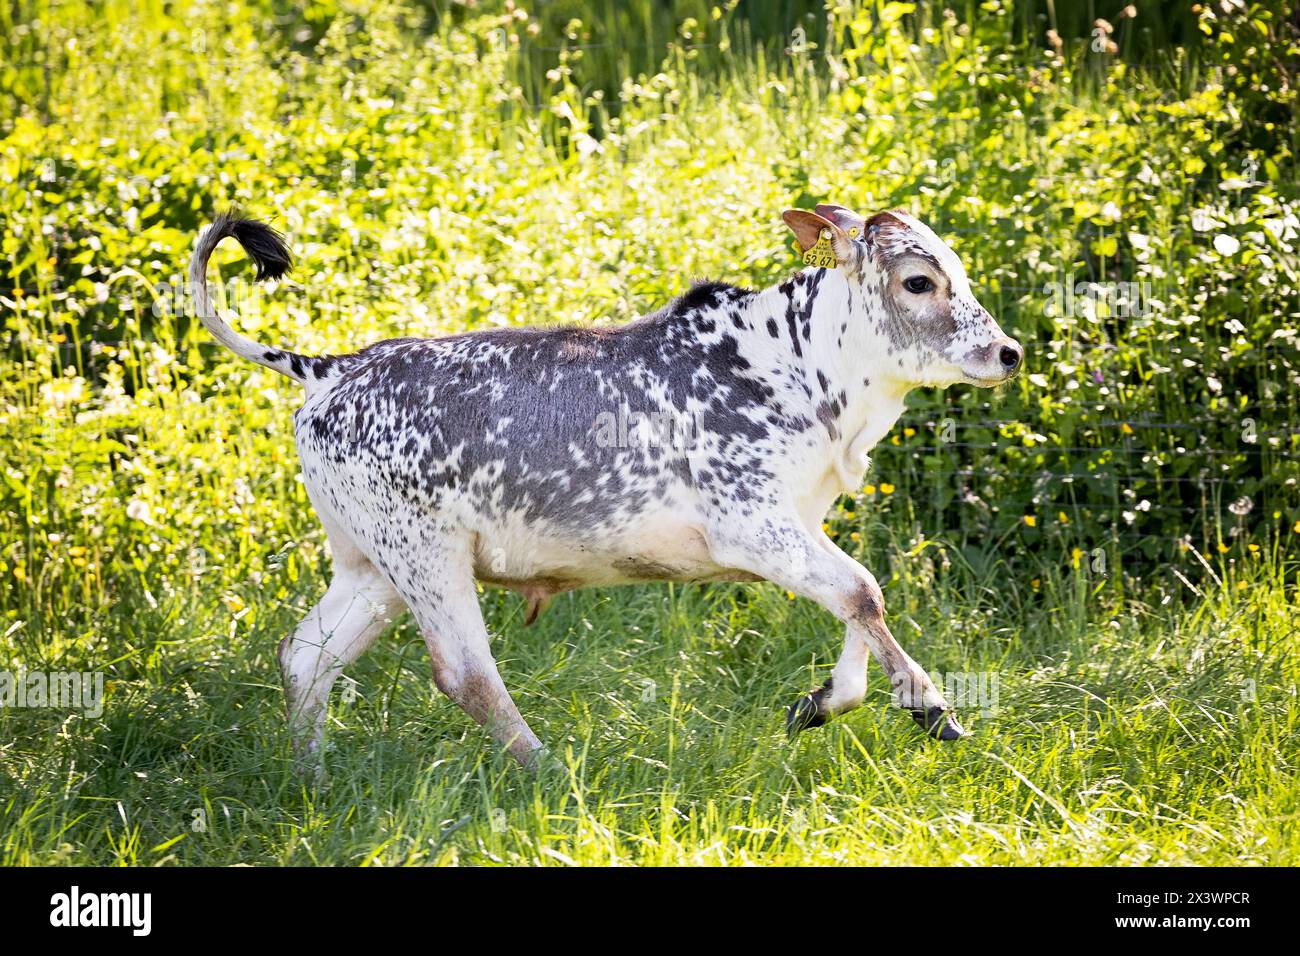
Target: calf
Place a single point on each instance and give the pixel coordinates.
(506, 456)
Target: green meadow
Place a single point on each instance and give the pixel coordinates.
(1105, 548)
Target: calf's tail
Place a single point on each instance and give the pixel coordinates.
(270, 254)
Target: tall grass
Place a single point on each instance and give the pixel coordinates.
(1113, 535)
(1153, 736)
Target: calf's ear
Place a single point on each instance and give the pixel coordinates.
(808, 228)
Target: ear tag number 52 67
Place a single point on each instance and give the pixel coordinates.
(820, 255)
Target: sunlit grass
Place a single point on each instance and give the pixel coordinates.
(1156, 736)
(1112, 535)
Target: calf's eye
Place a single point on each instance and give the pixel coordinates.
(918, 284)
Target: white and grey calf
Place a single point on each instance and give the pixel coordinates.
(491, 456)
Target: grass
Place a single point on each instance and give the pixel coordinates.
(1150, 736)
(1111, 540)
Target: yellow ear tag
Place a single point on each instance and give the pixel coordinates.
(820, 255)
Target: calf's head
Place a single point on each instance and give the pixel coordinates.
(909, 295)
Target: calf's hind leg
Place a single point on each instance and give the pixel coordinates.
(436, 578)
(356, 608)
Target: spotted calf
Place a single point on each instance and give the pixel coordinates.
(702, 442)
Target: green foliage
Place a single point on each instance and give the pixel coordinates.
(476, 165)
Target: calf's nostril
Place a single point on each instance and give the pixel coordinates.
(1009, 356)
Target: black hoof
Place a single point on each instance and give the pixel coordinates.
(938, 723)
(804, 713)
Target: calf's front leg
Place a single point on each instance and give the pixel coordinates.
(809, 564)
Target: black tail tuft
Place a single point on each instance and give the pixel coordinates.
(266, 247)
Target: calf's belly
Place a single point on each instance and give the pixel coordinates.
(538, 563)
